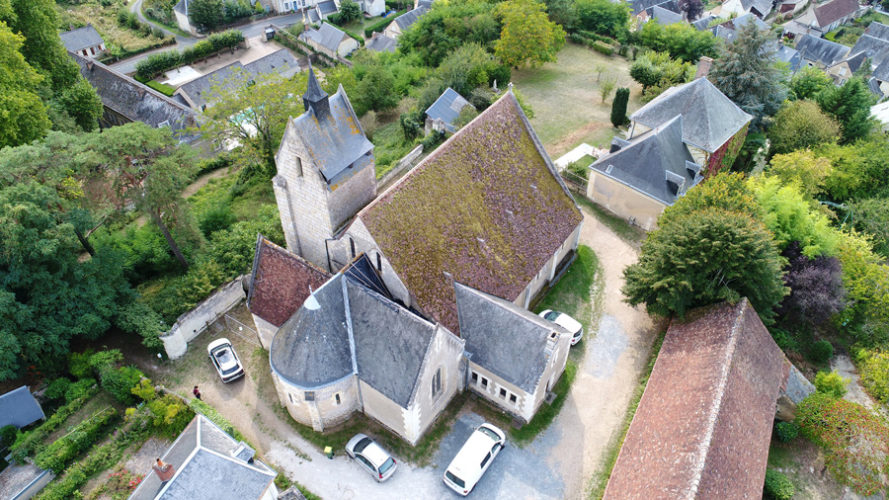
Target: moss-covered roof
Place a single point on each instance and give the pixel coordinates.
(486, 207)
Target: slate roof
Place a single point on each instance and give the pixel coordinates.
(498, 334)
(638, 6)
(81, 38)
(835, 10)
(327, 7)
(882, 71)
(874, 42)
(135, 101)
(761, 6)
(280, 61)
(336, 140)
(820, 50)
(704, 423)
(704, 22)
(181, 7)
(874, 85)
(487, 207)
(408, 19)
(390, 343)
(206, 469)
(447, 108)
(381, 43)
(790, 56)
(19, 408)
(327, 36)
(312, 347)
(665, 16)
(709, 118)
(280, 282)
(652, 159)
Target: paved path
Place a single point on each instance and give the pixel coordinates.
(854, 391)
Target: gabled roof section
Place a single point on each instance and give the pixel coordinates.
(486, 208)
(790, 56)
(335, 140)
(327, 36)
(280, 61)
(381, 43)
(503, 338)
(704, 424)
(447, 108)
(762, 7)
(709, 118)
(410, 17)
(665, 16)
(390, 343)
(835, 10)
(311, 349)
(281, 282)
(656, 163)
(703, 23)
(639, 6)
(882, 71)
(327, 7)
(81, 38)
(198, 92)
(821, 50)
(19, 408)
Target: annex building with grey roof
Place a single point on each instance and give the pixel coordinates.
(84, 41)
(820, 52)
(442, 114)
(19, 408)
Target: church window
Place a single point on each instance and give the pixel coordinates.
(299, 166)
(484, 383)
(338, 399)
(474, 378)
(379, 262)
(290, 397)
(436, 383)
(310, 395)
(512, 398)
(502, 392)
(352, 247)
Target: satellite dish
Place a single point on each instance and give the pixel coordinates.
(311, 302)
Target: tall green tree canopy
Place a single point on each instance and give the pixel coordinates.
(447, 26)
(528, 36)
(23, 115)
(206, 13)
(604, 17)
(850, 105)
(681, 40)
(799, 125)
(808, 82)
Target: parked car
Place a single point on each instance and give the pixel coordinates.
(474, 458)
(372, 457)
(226, 361)
(566, 322)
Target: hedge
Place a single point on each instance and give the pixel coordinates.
(158, 63)
(208, 411)
(161, 87)
(61, 452)
(381, 25)
(290, 41)
(598, 44)
(29, 442)
(602, 48)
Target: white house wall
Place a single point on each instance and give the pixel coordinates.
(347, 46)
(547, 272)
(265, 331)
(624, 201)
(385, 411)
(525, 402)
(445, 353)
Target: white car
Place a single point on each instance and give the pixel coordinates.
(226, 361)
(566, 322)
(474, 458)
(372, 457)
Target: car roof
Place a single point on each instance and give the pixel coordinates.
(376, 454)
(218, 342)
(469, 458)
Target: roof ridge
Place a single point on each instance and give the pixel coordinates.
(505, 305)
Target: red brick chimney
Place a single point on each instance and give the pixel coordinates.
(164, 471)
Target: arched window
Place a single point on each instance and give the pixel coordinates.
(352, 247)
(379, 262)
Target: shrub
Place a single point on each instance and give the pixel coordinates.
(216, 218)
(8, 434)
(379, 26)
(28, 442)
(144, 390)
(619, 107)
(65, 449)
(821, 351)
(58, 388)
(79, 364)
(778, 486)
(103, 360)
(119, 382)
(831, 384)
(169, 415)
(786, 431)
(603, 48)
(137, 317)
(81, 388)
(874, 369)
(784, 339)
(855, 441)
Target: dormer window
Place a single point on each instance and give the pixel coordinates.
(675, 182)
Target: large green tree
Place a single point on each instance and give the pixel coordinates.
(604, 17)
(657, 71)
(745, 72)
(206, 13)
(23, 115)
(447, 26)
(850, 105)
(801, 125)
(375, 90)
(808, 82)
(528, 36)
(681, 40)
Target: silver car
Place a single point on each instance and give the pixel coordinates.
(225, 360)
(372, 457)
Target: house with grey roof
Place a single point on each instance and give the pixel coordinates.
(443, 113)
(401, 23)
(820, 19)
(85, 41)
(820, 52)
(642, 176)
(206, 463)
(315, 10)
(665, 16)
(384, 335)
(789, 56)
(759, 8)
(19, 408)
(381, 43)
(728, 30)
(329, 40)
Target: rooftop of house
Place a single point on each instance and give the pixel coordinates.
(656, 163)
(830, 12)
(280, 61)
(821, 50)
(447, 108)
(763, 7)
(790, 56)
(498, 333)
(874, 43)
(327, 7)
(381, 43)
(81, 38)
(209, 465)
(281, 282)
(486, 209)
(327, 36)
(665, 16)
(19, 408)
(881, 72)
(704, 423)
(408, 19)
(709, 118)
(639, 6)
(704, 22)
(334, 140)
(134, 100)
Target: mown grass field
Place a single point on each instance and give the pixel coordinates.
(104, 19)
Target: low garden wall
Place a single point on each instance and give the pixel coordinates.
(194, 322)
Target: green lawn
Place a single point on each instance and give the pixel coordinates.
(564, 96)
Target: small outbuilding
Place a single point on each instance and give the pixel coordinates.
(19, 408)
(330, 40)
(443, 113)
(85, 41)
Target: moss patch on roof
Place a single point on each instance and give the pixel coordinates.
(485, 207)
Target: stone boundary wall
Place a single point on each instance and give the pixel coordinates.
(406, 162)
(191, 324)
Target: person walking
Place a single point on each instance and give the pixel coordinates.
(196, 392)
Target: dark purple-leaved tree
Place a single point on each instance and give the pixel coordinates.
(816, 287)
(692, 8)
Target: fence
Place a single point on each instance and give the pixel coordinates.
(406, 162)
(194, 322)
(241, 330)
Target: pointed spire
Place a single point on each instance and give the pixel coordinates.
(314, 95)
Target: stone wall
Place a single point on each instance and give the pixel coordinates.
(624, 201)
(192, 323)
(333, 403)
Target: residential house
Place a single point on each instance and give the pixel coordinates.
(316, 10)
(205, 463)
(821, 19)
(410, 267)
(820, 52)
(445, 111)
(704, 22)
(198, 93)
(19, 408)
(713, 127)
(759, 8)
(639, 178)
(643, 10)
(704, 424)
(880, 79)
(381, 43)
(126, 100)
(843, 70)
(401, 23)
(788, 8)
(874, 46)
(728, 30)
(85, 41)
(789, 56)
(666, 16)
(330, 41)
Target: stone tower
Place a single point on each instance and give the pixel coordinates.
(325, 172)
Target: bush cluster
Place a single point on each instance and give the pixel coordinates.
(874, 369)
(380, 26)
(62, 451)
(28, 443)
(598, 44)
(778, 486)
(786, 431)
(208, 411)
(127, 19)
(821, 351)
(158, 63)
(831, 384)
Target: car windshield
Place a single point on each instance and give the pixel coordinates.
(361, 445)
(552, 315)
(454, 479)
(386, 466)
(488, 432)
